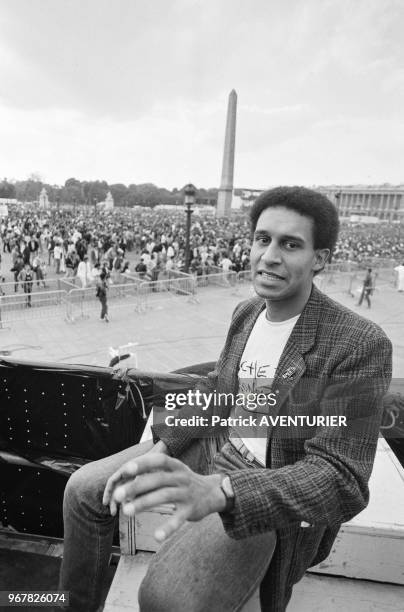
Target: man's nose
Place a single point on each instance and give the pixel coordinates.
(272, 254)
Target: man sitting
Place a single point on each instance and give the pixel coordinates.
(266, 503)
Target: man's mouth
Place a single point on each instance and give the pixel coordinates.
(270, 275)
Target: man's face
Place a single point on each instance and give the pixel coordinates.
(283, 258)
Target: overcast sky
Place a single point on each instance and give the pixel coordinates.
(136, 91)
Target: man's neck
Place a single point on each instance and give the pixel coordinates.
(284, 310)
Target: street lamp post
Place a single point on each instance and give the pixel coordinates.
(190, 191)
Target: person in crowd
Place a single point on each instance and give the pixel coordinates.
(399, 270)
(141, 268)
(38, 270)
(72, 261)
(26, 253)
(26, 277)
(57, 255)
(367, 288)
(33, 245)
(18, 265)
(84, 272)
(102, 295)
(117, 265)
(95, 273)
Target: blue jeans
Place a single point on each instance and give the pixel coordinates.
(199, 568)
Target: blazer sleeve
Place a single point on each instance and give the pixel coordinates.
(329, 485)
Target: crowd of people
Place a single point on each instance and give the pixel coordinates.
(121, 242)
(146, 242)
(358, 243)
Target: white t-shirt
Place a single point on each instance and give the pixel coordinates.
(258, 364)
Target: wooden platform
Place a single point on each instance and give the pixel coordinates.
(371, 545)
(314, 593)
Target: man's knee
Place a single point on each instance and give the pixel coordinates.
(82, 487)
(87, 484)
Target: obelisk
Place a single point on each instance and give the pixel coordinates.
(226, 184)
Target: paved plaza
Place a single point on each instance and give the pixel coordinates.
(173, 331)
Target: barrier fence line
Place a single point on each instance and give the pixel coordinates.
(156, 291)
(29, 305)
(220, 279)
(352, 283)
(37, 286)
(142, 294)
(244, 276)
(81, 302)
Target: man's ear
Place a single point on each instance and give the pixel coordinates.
(321, 257)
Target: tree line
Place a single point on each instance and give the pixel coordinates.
(90, 192)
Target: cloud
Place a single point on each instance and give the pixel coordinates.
(137, 91)
(277, 110)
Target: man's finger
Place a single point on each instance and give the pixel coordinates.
(156, 461)
(128, 470)
(125, 471)
(148, 482)
(168, 495)
(171, 526)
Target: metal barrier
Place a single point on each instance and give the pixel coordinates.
(155, 291)
(341, 266)
(141, 294)
(352, 283)
(212, 269)
(330, 281)
(379, 262)
(177, 274)
(244, 277)
(383, 277)
(222, 279)
(68, 283)
(30, 305)
(80, 302)
(38, 286)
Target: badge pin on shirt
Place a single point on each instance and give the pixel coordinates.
(289, 373)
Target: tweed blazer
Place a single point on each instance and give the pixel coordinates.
(334, 363)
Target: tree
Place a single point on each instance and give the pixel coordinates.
(7, 190)
(29, 190)
(72, 191)
(119, 193)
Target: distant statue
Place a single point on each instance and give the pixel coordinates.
(43, 199)
(109, 201)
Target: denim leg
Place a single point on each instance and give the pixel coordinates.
(88, 530)
(201, 568)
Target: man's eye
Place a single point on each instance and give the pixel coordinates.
(291, 245)
(262, 239)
